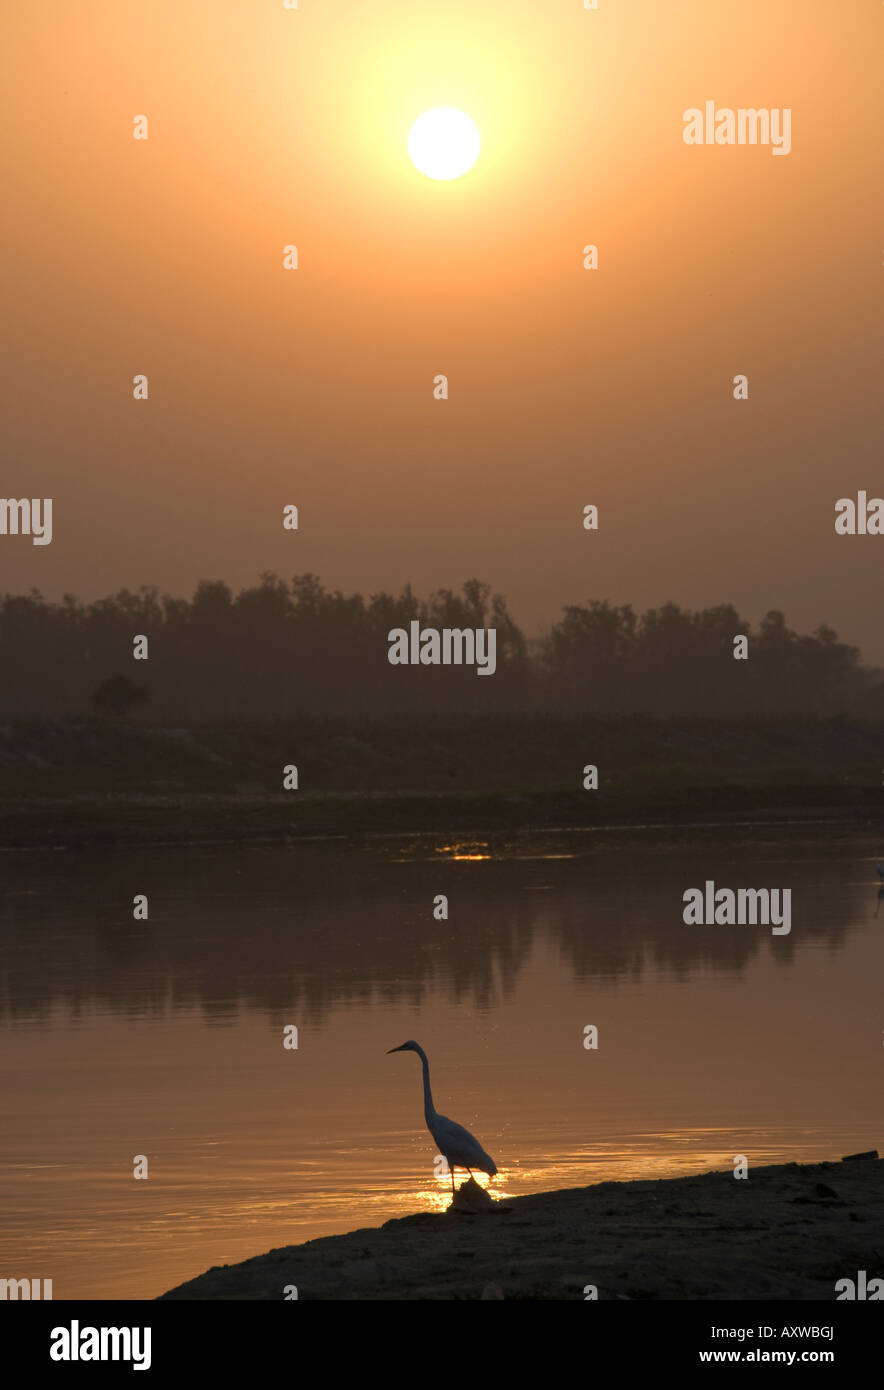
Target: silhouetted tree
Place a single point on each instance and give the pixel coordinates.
(118, 696)
(284, 647)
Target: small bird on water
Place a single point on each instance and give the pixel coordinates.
(459, 1148)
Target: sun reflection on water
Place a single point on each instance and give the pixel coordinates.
(470, 851)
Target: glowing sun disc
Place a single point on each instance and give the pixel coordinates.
(443, 143)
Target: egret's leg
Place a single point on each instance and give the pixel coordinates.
(451, 1171)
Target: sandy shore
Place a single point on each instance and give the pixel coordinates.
(787, 1232)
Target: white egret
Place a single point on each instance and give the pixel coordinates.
(459, 1148)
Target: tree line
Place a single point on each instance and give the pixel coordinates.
(287, 647)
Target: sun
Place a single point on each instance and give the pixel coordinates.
(443, 143)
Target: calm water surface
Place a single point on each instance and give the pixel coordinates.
(164, 1037)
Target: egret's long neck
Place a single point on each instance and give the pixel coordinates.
(428, 1095)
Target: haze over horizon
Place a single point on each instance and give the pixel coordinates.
(567, 386)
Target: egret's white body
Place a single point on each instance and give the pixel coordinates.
(459, 1148)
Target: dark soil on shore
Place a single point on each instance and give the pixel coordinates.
(786, 1232)
(88, 782)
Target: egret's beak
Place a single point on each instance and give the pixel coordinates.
(394, 1049)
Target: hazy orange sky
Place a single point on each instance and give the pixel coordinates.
(567, 386)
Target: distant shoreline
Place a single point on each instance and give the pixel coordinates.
(788, 1231)
(94, 782)
(115, 820)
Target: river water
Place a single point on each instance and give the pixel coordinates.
(164, 1038)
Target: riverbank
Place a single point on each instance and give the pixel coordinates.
(82, 783)
(788, 1231)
